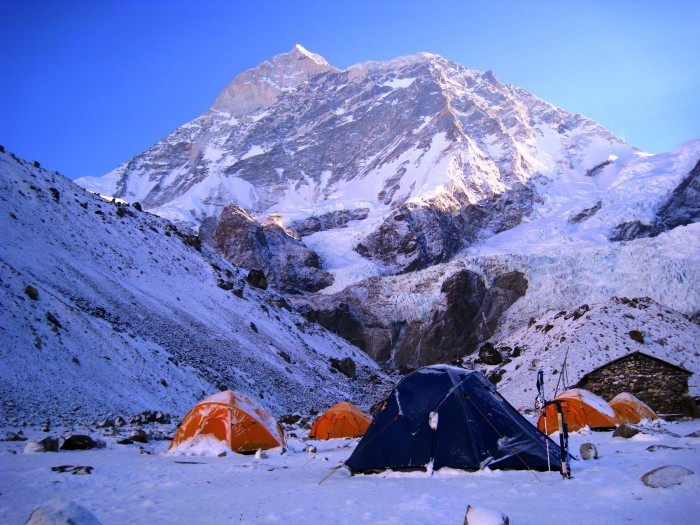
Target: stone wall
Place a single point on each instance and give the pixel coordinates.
(662, 386)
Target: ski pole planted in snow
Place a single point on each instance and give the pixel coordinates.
(563, 441)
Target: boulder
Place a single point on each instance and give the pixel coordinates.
(637, 336)
(15, 436)
(489, 355)
(32, 292)
(78, 442)
(485, 516)
(138, 436)
(588, 451)
(664, 477)
(32, 447)
(256, 278)
(289, 419)
(48, 444)
(626, 431)
(57, 512)
(346, 366)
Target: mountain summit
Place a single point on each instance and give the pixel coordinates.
(260, 87)
(295, 133)
(411, 146)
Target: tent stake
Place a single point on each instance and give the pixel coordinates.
(335, 469)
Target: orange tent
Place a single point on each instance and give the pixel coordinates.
(232, 419)
(341, 420)
(629, 409)
(581, 408)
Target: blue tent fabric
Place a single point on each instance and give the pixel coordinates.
(446, 416)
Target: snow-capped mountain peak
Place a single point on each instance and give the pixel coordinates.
(303, 52)
(260, 87)
(297, 138)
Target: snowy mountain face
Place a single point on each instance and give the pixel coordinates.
(434, 153)
(108, 310)
(418, 207)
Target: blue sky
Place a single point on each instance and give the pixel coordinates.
(88, 84)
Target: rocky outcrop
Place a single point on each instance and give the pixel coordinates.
(465, 317)
(586, 214)
(326, 221)
(416, 236)
(595, 170)
(470, 317)
(681, 208)
(284, 260)
(628, 231)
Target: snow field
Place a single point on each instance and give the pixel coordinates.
(297, 487)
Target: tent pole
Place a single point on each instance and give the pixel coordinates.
(515, 452)
(540, 388)
(546, 440)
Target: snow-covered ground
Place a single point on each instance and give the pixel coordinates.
(127, 486)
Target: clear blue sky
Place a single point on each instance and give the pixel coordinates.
(88, 84)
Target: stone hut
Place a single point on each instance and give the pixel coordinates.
(661, 385)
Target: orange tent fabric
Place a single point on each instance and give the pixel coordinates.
(232, 418)
(581, 408)
(341, 420)
(630, 409)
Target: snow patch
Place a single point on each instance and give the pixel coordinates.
(254, 151)
(399, 83)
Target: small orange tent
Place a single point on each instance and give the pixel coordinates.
(580, 408)
(629, 409)
(232, 418)
(341, 420)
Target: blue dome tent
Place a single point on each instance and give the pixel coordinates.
(443, 416)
